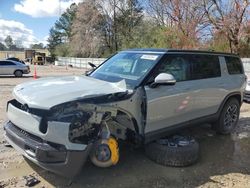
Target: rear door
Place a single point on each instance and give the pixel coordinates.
(208, 87)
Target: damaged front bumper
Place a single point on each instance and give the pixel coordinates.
(51, 156)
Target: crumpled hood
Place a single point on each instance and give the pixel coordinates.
(47, 92)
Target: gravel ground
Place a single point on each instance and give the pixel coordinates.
(224, 160)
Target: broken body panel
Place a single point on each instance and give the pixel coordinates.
(70, 121)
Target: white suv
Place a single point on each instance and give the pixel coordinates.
(137, 95)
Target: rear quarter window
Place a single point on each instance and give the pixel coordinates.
(234, 65)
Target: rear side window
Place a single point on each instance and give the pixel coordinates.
(190, 66)
(203, 66)
(234, 65)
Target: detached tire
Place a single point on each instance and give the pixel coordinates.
(228, 118)
(176, 151)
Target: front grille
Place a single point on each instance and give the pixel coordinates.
(34, 146)
(23, 133)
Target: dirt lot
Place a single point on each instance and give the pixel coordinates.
(224, 160)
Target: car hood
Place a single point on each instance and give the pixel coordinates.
(47, 92)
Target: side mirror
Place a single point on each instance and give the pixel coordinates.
(163, 79)
(92, 65)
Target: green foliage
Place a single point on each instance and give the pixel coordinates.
(62, 50)
(63, 25)
(147, 35)
(37, 46)
(90, 29)
(244, 48)
(61, 31)
(128, 22)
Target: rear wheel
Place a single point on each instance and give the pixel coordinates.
(228, 118)
(18, 73)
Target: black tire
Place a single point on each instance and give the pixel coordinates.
(228, 118)
(18, 73)
(173, 155)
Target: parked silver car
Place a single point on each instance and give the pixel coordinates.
(247, 93)
(10, 67)
(138, 95)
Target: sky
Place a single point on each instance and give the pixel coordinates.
(29, 21)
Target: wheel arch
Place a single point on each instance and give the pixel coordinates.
(236, 95)
(18, 70)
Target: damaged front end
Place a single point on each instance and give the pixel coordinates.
(74, 130)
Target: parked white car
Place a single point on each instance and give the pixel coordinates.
(10, 67)
(247, 93)
(138, 95)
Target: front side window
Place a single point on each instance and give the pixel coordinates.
(234, 65)
(175, 65)
(129, 66)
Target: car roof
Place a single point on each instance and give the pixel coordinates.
(166, 50)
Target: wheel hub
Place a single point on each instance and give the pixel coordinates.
(231, 116)
(103, 152)
(176, 141)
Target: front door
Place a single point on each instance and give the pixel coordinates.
(169, 105)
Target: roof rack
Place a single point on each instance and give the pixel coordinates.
(179, 50)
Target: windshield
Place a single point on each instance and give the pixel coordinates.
(130, 66)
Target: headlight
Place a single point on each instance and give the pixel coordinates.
(64, 112)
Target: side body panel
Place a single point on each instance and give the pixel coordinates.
(168, 105)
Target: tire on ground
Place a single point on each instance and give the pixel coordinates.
(18, 73)
(177, 156)
(220, 126)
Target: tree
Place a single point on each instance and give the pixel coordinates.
(61, 31)
(87, 31)
(18, 45)
(149, 35)
(62, 50)
(228, 17)
(184, 20)
(128, 20)
(2, 46)
(157, 11)
(9, 42)
(121, 20)
(63, 25)
(244, 46)
(37, 46)
(53, 40)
